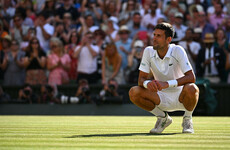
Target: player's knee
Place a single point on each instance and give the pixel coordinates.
(191, 90)
(133, 93)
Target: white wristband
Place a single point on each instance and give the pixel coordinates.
(172, 83)
(145, 83)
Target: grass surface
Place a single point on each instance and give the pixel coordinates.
(114, 132)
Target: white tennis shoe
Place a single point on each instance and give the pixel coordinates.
(161, 124)
(187, 125)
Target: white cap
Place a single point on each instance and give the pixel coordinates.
(139, 43)
(115, 21)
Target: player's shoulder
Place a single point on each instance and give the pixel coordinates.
(177, 48)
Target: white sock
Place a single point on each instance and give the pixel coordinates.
(158, 112)
(188, 113)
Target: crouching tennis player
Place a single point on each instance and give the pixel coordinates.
(171, 87)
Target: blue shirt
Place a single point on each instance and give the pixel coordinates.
(127, 46)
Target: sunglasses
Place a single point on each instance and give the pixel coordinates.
(54, 46)
(35, 42)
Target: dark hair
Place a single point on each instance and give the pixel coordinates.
(168, 28)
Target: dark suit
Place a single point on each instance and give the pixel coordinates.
(220, 63)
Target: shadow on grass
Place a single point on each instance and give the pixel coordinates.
(121, 134)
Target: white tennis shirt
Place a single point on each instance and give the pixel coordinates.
(172, 66)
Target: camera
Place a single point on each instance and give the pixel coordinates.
(86, 91)
(27, 92)
(111, 87)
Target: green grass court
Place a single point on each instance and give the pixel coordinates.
(110, 132)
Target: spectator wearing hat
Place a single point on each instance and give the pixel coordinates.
(180, 29)
(44, 30)
(13, 66)
(124, 45)
(134, 59)
(191, 47)
(112, 30)
(135, 25)
(211, 61)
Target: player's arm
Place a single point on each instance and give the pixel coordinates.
(147, 81)
(188, 77)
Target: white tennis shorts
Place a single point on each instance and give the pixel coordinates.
(169, 101)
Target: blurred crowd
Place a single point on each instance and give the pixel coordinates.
(57, 42)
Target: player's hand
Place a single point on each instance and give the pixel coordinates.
(152, 86)
(161, 85)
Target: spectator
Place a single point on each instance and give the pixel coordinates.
(14, 69)
(3, 33)
(48, 94)
(204, 25)
(101, 43)
(112, 7)
(69, 49)
(100, 39)
(67, 7)
(30, 34)
(197, 35)
(110, 93)
(134, 59)
(211, 61)
(227, 28)
(191, 47)
(212, 8)
(124, 45)
(87, 25)
(135, 25)
(218, 17)
(129, 8)
(227, 67)
(173, 7)
(91, 7)
(87, 54)
(48, 7)
(6, 43)
(83, 91)
(112, 30)
(7, 12)
(180, 29)
(221, 40)
(35, 63)
(19, 31)
(191, 19)
(111, 65)
(149, 20)
(27, 95)
(64, 28)
(58, 63)
(44, 30)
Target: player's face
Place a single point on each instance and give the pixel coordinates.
(159, 39)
